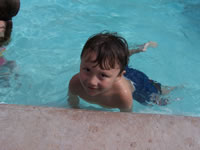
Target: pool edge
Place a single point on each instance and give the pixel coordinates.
(32, 127)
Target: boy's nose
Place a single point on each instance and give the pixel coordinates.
(93, 81)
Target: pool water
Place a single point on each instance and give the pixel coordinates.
(48, 37)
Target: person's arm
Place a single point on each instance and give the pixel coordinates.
(142, 48)
(73, 100)
(127, 104)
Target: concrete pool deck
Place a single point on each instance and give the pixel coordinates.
(46, 128)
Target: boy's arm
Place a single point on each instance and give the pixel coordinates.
(126, 105)
(142, 48)
(73, 100)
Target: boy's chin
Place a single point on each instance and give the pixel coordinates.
(92, 93)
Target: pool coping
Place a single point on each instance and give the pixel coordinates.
(32, 127)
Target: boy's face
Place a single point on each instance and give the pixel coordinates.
(95, 80)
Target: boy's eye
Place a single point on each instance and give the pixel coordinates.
(104, 75)
(86, 69)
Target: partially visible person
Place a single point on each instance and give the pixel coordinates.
(5, 33)
(8, 9)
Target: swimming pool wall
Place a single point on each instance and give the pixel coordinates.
(29, 127)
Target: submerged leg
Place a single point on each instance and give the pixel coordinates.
(167, 89)
(142, 48)
(157, 99)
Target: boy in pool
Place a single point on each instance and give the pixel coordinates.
(105, 78)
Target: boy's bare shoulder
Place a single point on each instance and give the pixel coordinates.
(126, 100)
(123, 92)
(74, 83)
(75, 79)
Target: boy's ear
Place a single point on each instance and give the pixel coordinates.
(122, 73)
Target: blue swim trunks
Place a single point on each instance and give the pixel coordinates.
(145, 88)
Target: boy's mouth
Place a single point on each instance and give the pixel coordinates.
(92, 88)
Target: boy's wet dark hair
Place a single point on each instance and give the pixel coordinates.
(109, 48)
